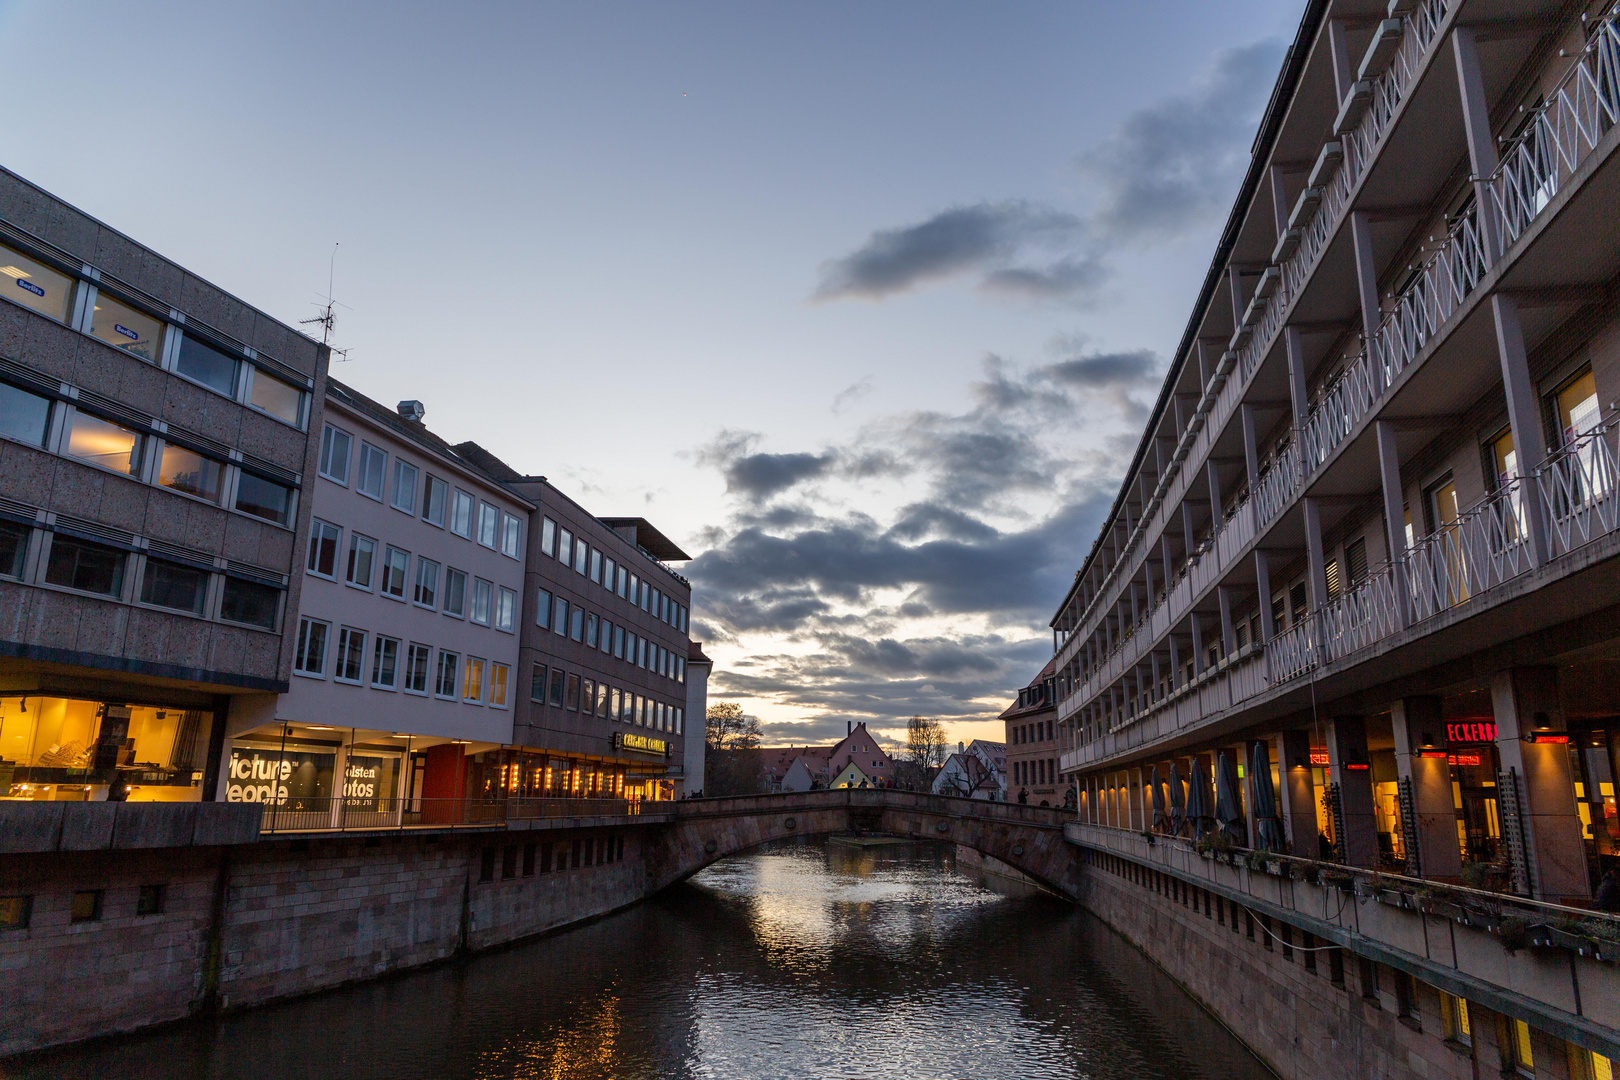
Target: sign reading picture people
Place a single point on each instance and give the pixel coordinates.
(294, 778)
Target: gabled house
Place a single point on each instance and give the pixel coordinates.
(975, 771)
(851, 776)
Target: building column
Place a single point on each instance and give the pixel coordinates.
(1175, 662)
(1420, 760)
(1350, 768)
(1315, 556)
(1389, 476)
(1525, 701)
(1524, 418)
(1298, 391)
(1187, 534)
(1213, 476)
(1372, 314)
(1298, 794)
(1228, 631)
(1262, 584)
(1482, 158)
(1169, 563)
(1197, 644)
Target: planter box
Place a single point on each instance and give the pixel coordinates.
(1274, 868)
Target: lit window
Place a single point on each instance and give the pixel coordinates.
(472, 687)
(427, 583)
(80, 564)
(373, 465)
(323, 548)
(35, 285)
(416, 668)
(395, 565)
(506, 610)
(542, 609)
(351, 654)
(461, 515)
(310, 656)
(511, 536)
(385, 663)
(174, 586)
(23, 416)
(122, 327)
(184, 470)
(249, 602)
(489, 520)
(362, 551)
(1454, 1017)
(404, 487)
(335, 455)
(448, 664)
(207, 365)
(433, 501)
(281, 400)
(101, 442)
(263, 498)
(455, 592)
(499, 676)
(481, 598)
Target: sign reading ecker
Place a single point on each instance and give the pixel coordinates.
(629, 740)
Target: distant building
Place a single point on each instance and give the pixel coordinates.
(1033, 748)
(822, 765)
(975, 771)
(851, 776)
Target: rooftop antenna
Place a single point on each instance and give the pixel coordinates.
(327, 319)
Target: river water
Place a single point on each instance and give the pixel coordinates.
(821, 959)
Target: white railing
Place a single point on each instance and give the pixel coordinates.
(1345, 401)
(1484, 547)
(1277, 486)
(1293, 652)
(1452, 272)
(1578, 489)
(1363, 614)
(1566, 128)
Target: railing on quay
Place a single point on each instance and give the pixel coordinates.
(339, 814)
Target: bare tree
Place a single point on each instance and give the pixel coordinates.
(925, 748)
(732, 761)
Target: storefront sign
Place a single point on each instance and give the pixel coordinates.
(1319, 758)
(629, 740)
(270, 776)
(1470, 731)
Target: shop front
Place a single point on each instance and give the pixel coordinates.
(312, 782)
(84, 750)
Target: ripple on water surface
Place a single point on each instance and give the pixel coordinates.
(809, 960)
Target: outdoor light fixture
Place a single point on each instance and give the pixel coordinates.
(1541, 730)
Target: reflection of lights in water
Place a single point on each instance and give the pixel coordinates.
(582, 1044)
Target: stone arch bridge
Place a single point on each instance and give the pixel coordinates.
(702, 831)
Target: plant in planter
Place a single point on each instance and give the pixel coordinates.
(1572, 934)
(1514, 933)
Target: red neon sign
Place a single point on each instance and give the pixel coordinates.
(1319, 757)
(1470, 731)
(1463, 759)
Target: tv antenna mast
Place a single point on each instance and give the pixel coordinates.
(327, 319)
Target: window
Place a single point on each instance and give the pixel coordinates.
(630, 640)
(404, 497)
(416, 668)
(559, 617)
(281, 400)
(23, 416)
(581, 556)
(1454, 1019)
(506, 610)
(623, 578)
(174, 586)
(362, 552)
(499, 676)
(1518, 1051)
(576, 626)
(250, 602)
(489, 520)
(558, 678)
(587, 691)
(511, 536)
(472, 686)
(609, 569)
(13, 548)
(657, 604)
(616, 704)
(427, 583)
(351, 654)
(641, 652)
(548, 536)
(1355, 561)
(368, 478)
(635, 586)
(680, 721)
(323, 548)
(1578, 409)
(618, 642)
(482, 591)
(385, 663)
(85, 906)
(565, 547)
(395, 564)
(606, 640)
(448, 664)
(263, 498)
(461, 515)
(101, 442)
(80, 564)
(149, 901)
(184, 470)
(455, 592)
(433, 501)
(486, 864)
(542, 609)
(537, 684)
(572, 700)
(207, 365)
(602, 700)
(596, 566)
(335, 455)
(591, 625)
(310, 656)
(35, 285)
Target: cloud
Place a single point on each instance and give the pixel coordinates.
(963, 239)
(759, 476)
(851, 394)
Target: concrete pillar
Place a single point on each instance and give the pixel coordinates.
(1351, 769)
(1175, 662)
(1482, 159)
(1279, 200)
(1169, 563)
(1228, 631)
(1187, 529)
(1372, 315)
(1206, 370)
(1525, 700)
(1343, 66)
(1197, 644)
(1297, 794)
(1262, 583)
(1524, 417)
(1315, 556)
(1213, 476)
(1420, 758)
(1298, 390)
(1251, 449)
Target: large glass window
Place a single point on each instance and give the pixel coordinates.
(395, 564)
(384, 663)
(449, 663)
(548, 536)
(427, 583)
(542, 609)
(351, 654)
(565, 547)
(472, 687)
(581, 556)
(404, 497)
(373, 464)
(104, 443)
(416, 668)
(596, 566)
(35, 285)
(190, 472)
(433, 501)
(455, 592)
(362, 551)
(323, 548)
(511, 536)
(461, 514)
(506, 610)
(264, 498)
(576, 626)
(23, 416)
(559, 616)
(121, 326)
(499, 676)
(335, 454)
(13, 547)
(488, 523)
(175, 586)
(80, 564)
(250, 602)
(207, 365)
(310, 656)
(481, 598)
(1578, 410)
(592, 623)
(281, 400)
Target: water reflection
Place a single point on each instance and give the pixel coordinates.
(819, 960)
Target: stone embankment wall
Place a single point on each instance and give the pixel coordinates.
(238, 926)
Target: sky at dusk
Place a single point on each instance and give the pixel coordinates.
(863, 304)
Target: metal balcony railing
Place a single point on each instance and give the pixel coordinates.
(1560, 134)
(338, 814)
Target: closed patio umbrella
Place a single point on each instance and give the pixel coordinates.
(1268, 828)
(1178, 801)
(1159, 820)
(1228, 810)
(1200, 799)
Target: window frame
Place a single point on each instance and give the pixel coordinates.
(511, 535)
(505, 615)
(456, 502)
(346, 638)
(488, 596)
(390, 550)
(488, 512)
(400, 466)
(378, 641)
(329, 435)
(301, 667)
(469, 665)
(460, 611)
(147, 564)
(413, 651)
(500, 676)
(355, 539)
(431, 486)
(318, 535)
(121, 573)
(423, 567)
(275, 617)
(368, 453)
(455, 675)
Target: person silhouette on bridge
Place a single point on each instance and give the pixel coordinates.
(1023, 796)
